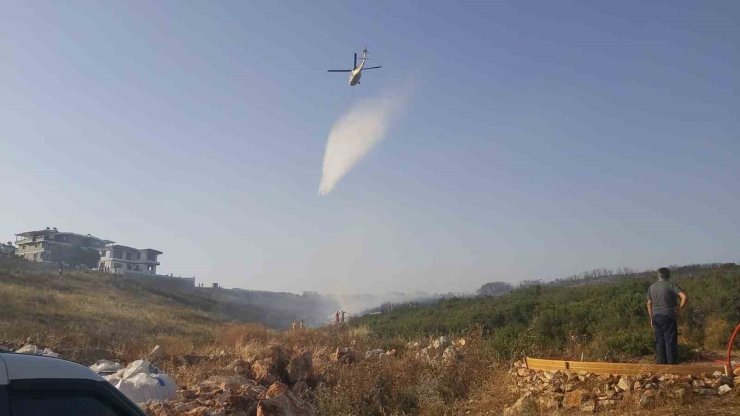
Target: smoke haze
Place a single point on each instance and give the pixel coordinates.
(355, 133)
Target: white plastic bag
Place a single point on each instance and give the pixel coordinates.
(105, 367)
(112, 379)
(139, 366)
(143, 387)
(140, 381)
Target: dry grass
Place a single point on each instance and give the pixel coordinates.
(85, 313)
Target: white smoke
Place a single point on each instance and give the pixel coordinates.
(355, 133)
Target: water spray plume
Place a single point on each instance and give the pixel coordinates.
(355, 133)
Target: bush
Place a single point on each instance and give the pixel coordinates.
(717, 331)
(603, 321)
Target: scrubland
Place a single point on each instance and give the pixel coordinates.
(601, 321)
(87, 316)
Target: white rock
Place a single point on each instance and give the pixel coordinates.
(28, 349)
(34, 350)
(49, 353)
(625, 383)
(441, 342)
(450, 354)
(376, 353)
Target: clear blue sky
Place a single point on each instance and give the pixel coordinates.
(542, 138)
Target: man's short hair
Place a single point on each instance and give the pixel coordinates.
(664, 273)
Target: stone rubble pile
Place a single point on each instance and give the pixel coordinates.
(440, 350)
(276, 385)
(271, 386)
(379, 353)
(347, 355)
(546, 391)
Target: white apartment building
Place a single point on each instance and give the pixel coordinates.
(47, 245)
(118, 259)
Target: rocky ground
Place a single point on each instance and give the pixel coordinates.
(280, 380)
(280, 383)
(549, 391)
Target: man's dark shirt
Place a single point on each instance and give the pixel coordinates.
(663, 295)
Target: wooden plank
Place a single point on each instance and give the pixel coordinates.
(620, 368)
(540, 364)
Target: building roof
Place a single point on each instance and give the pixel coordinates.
(55, 231)
(111, 246)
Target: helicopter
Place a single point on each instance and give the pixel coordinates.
(356, 71)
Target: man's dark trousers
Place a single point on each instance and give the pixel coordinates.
(666, 339)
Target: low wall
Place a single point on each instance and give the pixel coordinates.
(161, 281)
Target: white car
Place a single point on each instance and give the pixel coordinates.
(33, 385)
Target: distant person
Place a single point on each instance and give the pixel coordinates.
(343, 312)
(61, 269)
(336, 320)
(294, 325)
(663, 306)
(302, 326)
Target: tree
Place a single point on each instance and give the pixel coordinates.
(90, 258)
(76, 255)
(495, 289)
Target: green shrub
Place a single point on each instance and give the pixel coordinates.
(600, 320)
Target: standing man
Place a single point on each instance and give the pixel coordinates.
(343, 316)
(662, 302)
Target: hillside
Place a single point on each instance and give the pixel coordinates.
(85, 311)
(601, 318)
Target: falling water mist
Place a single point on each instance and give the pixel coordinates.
(356, 132)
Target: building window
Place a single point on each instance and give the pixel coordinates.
(116, 265)
(117, 253)
(103, 253)
(128, 255)
(128, 267)
(138, 256)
